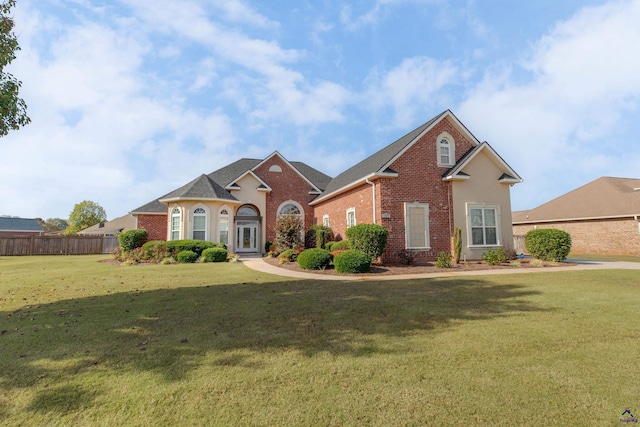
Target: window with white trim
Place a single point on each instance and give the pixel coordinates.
(199, 228)
(289, 209)
(175, 224)
(483, 224)
(351, 217)
(446, 150)
(416, 225)
(223, 226)
(325, 220)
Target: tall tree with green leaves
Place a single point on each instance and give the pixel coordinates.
(13, 109)
(85, 214)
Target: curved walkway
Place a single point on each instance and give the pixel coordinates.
(258, 264)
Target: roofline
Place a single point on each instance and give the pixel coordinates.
(446, 113)
(250, 171)
(634, 216)
(374, 175)
(516, 180)
(199, 199)
(134, 213)
(21, 231)
(276, 153)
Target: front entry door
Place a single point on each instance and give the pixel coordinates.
(247, 236)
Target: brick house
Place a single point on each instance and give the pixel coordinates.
(602, 217)
(19, 227)
(435, 178)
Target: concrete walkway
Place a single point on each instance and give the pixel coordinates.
(258, 264)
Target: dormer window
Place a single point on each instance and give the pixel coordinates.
(446, 150)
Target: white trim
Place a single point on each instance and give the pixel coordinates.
(355, 220)
(207, 220)
(407, 225)
(180, 225)
(194, 199)
(275, 153)
(233, 185)
(228, 217)
(589, 218)
(354, 184)
(485, 145)
(498, 226)
(445, 136)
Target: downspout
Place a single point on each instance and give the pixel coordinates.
(373, 188)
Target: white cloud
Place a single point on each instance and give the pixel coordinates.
(409, 88)
(583, 81)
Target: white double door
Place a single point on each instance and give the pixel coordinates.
(247, 236)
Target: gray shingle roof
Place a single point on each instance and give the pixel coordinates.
(316, 177)
(153, 206)
(19, 224)
(203, 187)
(226, 175)
(376, 161)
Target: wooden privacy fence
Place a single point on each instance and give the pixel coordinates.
(57, 245)
(518, 244)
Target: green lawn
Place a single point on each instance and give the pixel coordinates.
(601, 257)
(86, 343)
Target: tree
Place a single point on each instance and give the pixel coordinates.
(288, 230)
(85, 214)
(52, 224)
(13, 110)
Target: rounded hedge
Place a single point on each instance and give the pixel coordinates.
(340, 245)
(214, 255)
(548, 244)
(369, 238)
(314, 259)
(129, 240)
(186, 257)
(352, 261)
(197, 246)
(288, 256)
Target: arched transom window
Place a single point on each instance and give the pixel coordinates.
(247, 211)
(199, 224)
(290, 209)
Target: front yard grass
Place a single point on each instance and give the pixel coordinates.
(87, 343)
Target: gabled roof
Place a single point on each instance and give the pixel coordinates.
(110, 228)
(235, 186)
(509, 176)
(201, 188)
(19, 224)
(230, 173)
(606, 197)
(378, 163)
(316, 179)
(153, 207)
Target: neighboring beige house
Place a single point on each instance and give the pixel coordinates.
(111, 228)
(603, 217)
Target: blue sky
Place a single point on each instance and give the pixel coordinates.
(130, 99)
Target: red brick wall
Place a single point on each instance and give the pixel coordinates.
(419, 180)
(285, 185)
(156, 226)
(611, 237)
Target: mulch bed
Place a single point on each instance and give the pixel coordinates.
(397, 269)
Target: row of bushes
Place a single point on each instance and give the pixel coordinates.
(344, 261)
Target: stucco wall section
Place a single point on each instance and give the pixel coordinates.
(482, 187)
(608, 236)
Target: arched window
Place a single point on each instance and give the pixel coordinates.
(290, 208)
(247, 211)
(199, 231)
(175, 224)
(223, 226)
(446, 150)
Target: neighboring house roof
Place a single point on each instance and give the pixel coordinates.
(378, 163)
(110, 228)
(215, 184)
(606, 197)
(201, 188)
(19, 224)
(508, 176)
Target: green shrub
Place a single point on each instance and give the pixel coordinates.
(186, 257)
(352, 261)
(492, 257)
(548, 244)
(369, 238)
(129, 240)
(457, 244)
(317, 236)
(289, 255)
(341, 245)
(444, 260)
(314, 259)
(288, 229)
(197, 246)
(267, 246)
(155, 250)
(214, 255)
